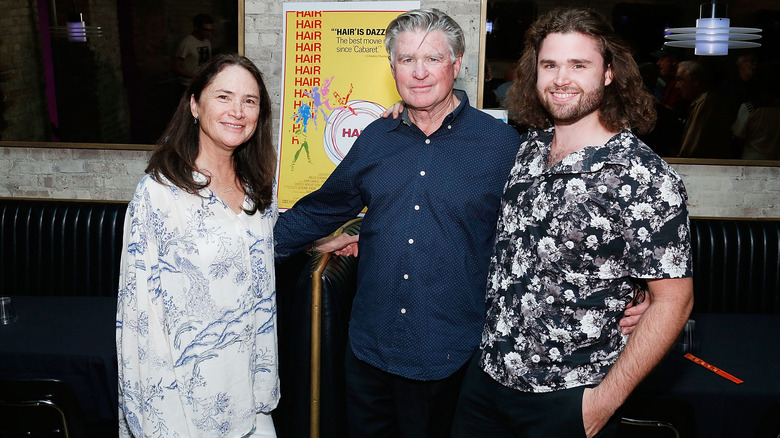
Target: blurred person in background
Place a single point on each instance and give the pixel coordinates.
(707, 131)
(757, 127)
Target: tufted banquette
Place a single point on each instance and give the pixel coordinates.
(73, 248)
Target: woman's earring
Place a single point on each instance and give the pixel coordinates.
(195, 121)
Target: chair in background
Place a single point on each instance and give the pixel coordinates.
(45, 408)
(656, 417)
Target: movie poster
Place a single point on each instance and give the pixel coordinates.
(336, 80)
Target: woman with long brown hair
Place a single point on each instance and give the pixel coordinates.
(196, 311)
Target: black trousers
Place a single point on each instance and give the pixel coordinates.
(385, 405)
(489, 409)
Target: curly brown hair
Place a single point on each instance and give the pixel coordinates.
(626, 103)
(254, 161)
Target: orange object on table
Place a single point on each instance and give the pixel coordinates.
(712, 368)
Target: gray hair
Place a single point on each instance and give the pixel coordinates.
(428, 20)
(697, 70)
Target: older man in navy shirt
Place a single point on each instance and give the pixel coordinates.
(431, 181)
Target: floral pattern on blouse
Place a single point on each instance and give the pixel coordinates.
(196, 315)
(568, 241)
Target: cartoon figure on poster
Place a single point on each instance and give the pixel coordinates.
(343, 123)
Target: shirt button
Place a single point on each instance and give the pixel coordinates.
(403, 310)
(406, 276)
(427, 141)
(449, 126)
(411, 241)
(422, 173)
(416, 207)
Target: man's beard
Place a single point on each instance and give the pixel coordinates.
(571, 112)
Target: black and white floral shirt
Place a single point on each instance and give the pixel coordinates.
(568, 242)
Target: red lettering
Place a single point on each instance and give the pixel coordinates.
(307, 82)
(308, 47)
(307, 70)
(317, 35)
(307, 24)
(346, 132)
(308, 59)
(305, 14)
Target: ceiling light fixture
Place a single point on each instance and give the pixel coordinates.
(76, 30)
(712, 35)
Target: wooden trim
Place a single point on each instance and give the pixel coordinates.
(67, 145)
(721, 162)
(94, 201)
(741, 219)
(241, 26)
(481, 55)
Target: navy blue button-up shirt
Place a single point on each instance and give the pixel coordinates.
(425, 241)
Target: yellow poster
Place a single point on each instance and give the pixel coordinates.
(336, 80)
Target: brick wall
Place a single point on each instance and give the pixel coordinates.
(732, 191)
(70, 173)
(714, 191)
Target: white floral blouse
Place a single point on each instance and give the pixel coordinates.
(196, 316)
(568, 241)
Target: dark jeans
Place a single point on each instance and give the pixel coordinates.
(489, 409)
(381, 404)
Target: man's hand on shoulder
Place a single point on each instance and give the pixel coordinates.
(395, 110)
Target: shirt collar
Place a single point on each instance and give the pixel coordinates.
(199, 177)
(700, 99)
(460, 94)
(617, 151)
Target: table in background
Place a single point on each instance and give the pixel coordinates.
(746, 346)
(66, 338)
(72, 339)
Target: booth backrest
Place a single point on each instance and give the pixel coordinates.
(69, 248)
(736, 266)
(74, 248)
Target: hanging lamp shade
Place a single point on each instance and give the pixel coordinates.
(76, 30)
(712, 35)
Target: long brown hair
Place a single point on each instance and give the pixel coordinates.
(254, 161)
(626, 103)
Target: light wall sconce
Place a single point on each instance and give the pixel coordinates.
(712, 35)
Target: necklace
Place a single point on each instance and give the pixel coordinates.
(232, 186)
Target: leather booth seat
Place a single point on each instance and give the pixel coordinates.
(68, 248)
(736, 266)
(73, 248)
